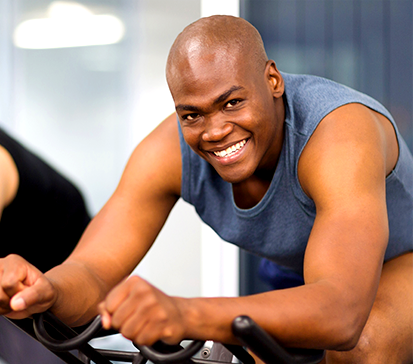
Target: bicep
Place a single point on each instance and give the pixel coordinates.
(123, 231)
(343, 170)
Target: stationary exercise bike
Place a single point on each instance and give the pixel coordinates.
(64, 341)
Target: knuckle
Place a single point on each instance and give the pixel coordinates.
(143, 289)
(128, 332)
(134, 279)
(144, 339)
(12, 257)
(136, 284)
(161, 315)
(168, 333)
(171, 336)
(9, 282)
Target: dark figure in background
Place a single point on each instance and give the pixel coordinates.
(43, 216)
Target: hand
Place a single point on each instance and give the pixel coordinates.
(143, 314)
(24, 290)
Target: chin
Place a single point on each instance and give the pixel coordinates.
(235, 177)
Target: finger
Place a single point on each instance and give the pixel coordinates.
(14, 274)
(151, 331)
(149, 322)
(111, 305)
(36, 298)
(140, 302)
(115, 297)
(161, 328)
(4, 303)
(105, 316)
(106, 320)
(18, 304)
(133, 328)
(125, 297)
(132, 297)
(132, 306)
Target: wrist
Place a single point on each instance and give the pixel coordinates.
(208, 319)
(190, 317)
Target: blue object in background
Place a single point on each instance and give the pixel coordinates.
(278, 277)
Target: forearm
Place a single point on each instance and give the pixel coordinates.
(309, 316)
(78, 292)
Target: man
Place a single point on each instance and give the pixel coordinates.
(43, 216)
(300, 170)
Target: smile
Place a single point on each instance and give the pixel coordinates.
(231, 150)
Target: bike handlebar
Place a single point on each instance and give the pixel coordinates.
(68, 344)
(267, 348)
(83, 338)
(243, 327)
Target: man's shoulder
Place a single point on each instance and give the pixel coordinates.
(157, 158)
(309, 99)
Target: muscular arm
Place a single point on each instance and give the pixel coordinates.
(350, 234)
(123, 231)
(343, 170)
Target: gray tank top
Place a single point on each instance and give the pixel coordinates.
(278, 227)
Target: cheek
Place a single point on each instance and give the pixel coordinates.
(191, 136)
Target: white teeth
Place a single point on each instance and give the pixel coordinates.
(230, 150)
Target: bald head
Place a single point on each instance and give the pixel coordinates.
(217, 36)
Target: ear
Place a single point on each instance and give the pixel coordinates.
(275, 79)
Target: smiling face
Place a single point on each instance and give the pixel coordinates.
(230, 108)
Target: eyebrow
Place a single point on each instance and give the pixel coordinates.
(218, 100)
(226, 94)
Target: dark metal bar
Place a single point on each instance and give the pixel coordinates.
(268, 349)
(240, 353)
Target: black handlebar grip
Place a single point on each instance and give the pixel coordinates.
(267, 348)
(170, 358)
(77, 341)
(74, 342)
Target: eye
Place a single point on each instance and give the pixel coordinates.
(232, 103)
(190, 117)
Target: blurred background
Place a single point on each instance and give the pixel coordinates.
(364, 44)
(82, 82)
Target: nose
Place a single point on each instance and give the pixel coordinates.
(216, 129)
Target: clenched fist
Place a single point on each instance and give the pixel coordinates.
(144, 314)
(24, 290)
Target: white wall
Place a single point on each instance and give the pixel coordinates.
(84, 109)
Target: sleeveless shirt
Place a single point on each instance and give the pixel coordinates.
(278, 227)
